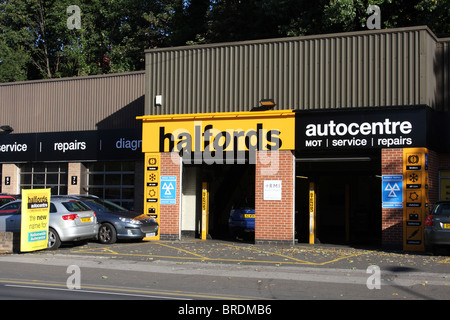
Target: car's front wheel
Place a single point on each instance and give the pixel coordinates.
(107, 233)
(53, 239)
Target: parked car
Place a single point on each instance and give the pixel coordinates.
(242, 218)
(69, 220)
(5, 198)
(117, 222)
(437, 226)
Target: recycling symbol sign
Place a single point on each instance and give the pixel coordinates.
(168, 190)
(392, 191)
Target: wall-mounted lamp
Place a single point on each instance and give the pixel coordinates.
(264, 104)
(158, 101)
(7, 129)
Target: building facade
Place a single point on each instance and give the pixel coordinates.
(363, 102)
(75, 136)
(355, 150)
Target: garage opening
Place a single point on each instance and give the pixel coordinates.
(228, 185)
(348, 198)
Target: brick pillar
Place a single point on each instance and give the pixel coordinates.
(274, 221)
(433, 178)
(170, 224)
(12, 171)
(76, 169)
(392, 218)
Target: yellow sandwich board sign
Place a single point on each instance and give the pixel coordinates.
(35, 219)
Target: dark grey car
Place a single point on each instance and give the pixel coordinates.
(437, 226)
(117, 222)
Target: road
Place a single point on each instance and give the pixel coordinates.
(226, 272)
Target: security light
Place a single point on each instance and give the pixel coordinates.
(264, 104)
(7, 129)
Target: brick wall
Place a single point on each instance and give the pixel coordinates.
(444, 161)
(274, 222)
(170, 213)
(392, 218)
(392, 163)
(433, 177)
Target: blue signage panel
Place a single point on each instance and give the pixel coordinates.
(168, 190)
(392, 191)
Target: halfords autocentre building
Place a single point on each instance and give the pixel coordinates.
(356, 149)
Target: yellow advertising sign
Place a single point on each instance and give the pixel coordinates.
(35, 219)
(415, 179)
(205, 210)
(312, 213)
(219, 132)
(151, 189)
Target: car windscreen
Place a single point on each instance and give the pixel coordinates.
(75, 206)
(442, 209)
(100, 205)
(247, 203)
(4, 201)
(11, 208)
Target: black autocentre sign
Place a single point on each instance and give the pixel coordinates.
(361, 129)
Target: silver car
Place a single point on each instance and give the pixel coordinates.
(437, 226)
(70, 220)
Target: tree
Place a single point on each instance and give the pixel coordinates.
(112, 37)
(189, 23)
(36, 43)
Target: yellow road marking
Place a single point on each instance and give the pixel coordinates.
(195, 256)
(272, 253)
(340, 258)
(179, 249)
(81, 250)
(109, 250)
(447, 260)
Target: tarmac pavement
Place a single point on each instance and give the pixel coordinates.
(238, 253)
(296, 271)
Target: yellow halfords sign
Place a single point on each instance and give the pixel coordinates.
(219, 132)
(35, 219)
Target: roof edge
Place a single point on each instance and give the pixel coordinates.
(298, 38)
(91, 77)
(217, 115)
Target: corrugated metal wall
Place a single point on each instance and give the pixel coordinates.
(443, 72)
(73, 104)
(359, 69)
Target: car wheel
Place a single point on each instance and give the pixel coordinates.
(107, 233)
(53, 239)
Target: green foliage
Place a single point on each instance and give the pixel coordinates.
(35, 42)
